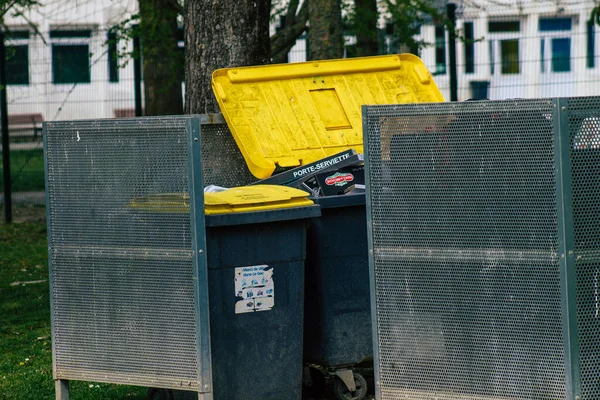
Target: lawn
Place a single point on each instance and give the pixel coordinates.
(25, 342)
(27, 170)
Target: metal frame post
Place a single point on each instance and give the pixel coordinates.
(62, 389)
(196, 192)
(5, 137)
(566, 249)
(137, 75)
(451, 11)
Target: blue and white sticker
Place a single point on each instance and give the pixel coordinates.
(254, 289)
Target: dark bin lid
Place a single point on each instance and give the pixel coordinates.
(261, 217)
(347, 200)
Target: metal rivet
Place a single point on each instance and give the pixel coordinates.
(206, 387)
(564, 108)
(201, 251)
(570, 252)
(562, 255)
(195, 139)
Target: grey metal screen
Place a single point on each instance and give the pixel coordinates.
(126, 302)
(485, 237)
(584, 151)
(223, 163)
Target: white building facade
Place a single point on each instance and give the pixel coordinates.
(523, 49)
(67, 69)
(520, 49)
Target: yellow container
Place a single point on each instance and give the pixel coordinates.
(240, 199)
(289, 115)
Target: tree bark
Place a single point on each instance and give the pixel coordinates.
(219, 34)
(325, 34)
(162, 59)
(366, 27)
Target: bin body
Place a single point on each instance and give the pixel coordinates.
(337, 325)
(257, 354)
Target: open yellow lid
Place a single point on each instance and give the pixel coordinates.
(240, 199)
(289, 115)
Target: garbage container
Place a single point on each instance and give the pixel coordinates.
(297, 120)
(256, 330)
(256, 249)
(337, 326)
(479, 90)
(337, 323)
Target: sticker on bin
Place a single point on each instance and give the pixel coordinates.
(254, 289)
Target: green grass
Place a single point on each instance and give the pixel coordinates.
(26, 169)
(25, 342)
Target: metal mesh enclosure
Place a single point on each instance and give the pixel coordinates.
(223, 163)
(123, 280)
(472, 235)
(584, 149)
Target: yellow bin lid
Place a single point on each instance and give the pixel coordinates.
(240, 199)
(289, 115)
(255, 198)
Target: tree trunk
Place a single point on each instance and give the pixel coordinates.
(162, 59)
(219, 34)
(366, 27)
(325, 34)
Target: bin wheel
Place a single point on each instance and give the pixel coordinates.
(159, 394)
(343, 393)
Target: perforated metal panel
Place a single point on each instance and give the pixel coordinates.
(126, 284)
(482, 214)
(584, 149)
(223, 163)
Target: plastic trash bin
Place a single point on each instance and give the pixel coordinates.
(298, 119)
(256, 249)
(337, 326)
(479, 90)
(256, 341)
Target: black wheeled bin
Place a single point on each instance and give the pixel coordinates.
(337, 327)
(304, 119)
(256, 342)
(255, 263)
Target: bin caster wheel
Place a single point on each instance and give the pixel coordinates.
(159, 394)
(342, 392)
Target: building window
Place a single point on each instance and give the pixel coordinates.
(492, 57)
(469, 48)
(561, 55)
(509, 53)
(440, 50)
(17, 58)
(71, 56)
(504, 26)
(113, 57)
(555, 24)
(556, 43)
(543, 55)
(591, 45)
(504, 46)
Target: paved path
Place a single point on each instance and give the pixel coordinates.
(25, 146)
(26, 198)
